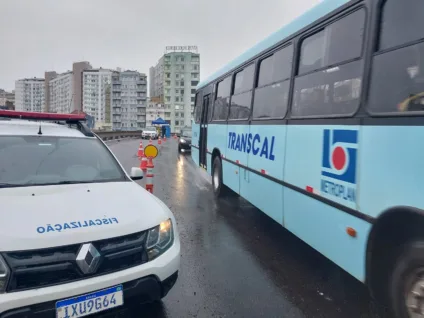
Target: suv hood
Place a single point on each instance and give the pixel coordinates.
(47, 216)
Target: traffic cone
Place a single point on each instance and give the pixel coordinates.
(150, 141)
(140, 152)
(149, 176)
(143, 164)
(164, 138)
(159, 141)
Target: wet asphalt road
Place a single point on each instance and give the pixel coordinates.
(236, 261)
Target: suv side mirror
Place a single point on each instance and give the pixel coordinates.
(136, 173)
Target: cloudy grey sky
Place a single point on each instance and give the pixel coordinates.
(41, 35)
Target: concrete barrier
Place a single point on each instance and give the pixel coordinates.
(112, 135)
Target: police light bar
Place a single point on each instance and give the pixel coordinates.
(42, 116)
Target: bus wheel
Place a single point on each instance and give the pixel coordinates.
(219, 188)
(406, 286)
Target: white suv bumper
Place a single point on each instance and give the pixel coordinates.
(146, 282)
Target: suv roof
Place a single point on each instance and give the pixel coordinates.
(31, 124)
(19, 127)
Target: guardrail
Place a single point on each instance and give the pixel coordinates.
(111, 135)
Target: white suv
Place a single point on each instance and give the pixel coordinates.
(149, 132)
(77, 234)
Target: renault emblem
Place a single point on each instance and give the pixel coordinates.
(88, 258)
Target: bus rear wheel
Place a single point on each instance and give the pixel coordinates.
(219, 188)
(406, 284)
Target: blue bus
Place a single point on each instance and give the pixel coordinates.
(319, 126)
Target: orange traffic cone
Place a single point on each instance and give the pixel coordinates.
(149, 176)
(159, 141)
(140, 152)
(164, 138)
(143, 164)
(150, 141)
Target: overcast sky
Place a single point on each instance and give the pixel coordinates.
(41, 35)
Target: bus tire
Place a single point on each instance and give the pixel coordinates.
(406, 279)
(220, 190)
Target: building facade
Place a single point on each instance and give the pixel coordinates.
(61, 93)
(29, 94)
(77, 70)
(174, 82)
(129, 99)
(96, 96)
(155, 110)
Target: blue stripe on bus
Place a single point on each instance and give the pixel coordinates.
(317, 12)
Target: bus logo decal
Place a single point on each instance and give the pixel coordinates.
(339, 163)
(255, 144)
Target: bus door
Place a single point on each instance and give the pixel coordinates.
(203, 132)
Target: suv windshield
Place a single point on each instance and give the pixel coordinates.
(29, 160)
(150, 129)
(186, 133)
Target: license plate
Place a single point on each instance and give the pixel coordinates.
(88, 304)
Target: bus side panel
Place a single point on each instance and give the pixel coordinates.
(323, 160)
(230, 175)
(267, 157)
(217, 138)
(392, 168)
(195, 128)
(324, 228)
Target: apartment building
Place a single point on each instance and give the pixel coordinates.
(173, 81)
(29, 94)
(129, 100)
(155, 110)
(96, 95)
(61, 93)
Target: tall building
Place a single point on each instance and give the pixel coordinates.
(29, 94)
(77, 70)
(154, 110)
(2, 98)
(61, 93)
(129, 95)
(96, 97)
(48, 76)
(174, 82)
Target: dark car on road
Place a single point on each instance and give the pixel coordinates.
(184, 143)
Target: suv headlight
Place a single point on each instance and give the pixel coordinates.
(159, 239)
(4, 275)
(182, 141)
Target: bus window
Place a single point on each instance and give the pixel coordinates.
(336, 89)
(222, 99)
(198, 108)
(401, 22)
(242, 95)
(271, 94)
(397, 80)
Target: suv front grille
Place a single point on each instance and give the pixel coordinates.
(52, 266)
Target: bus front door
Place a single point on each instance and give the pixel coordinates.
(203, 133)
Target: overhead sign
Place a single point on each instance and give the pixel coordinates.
(151, 151)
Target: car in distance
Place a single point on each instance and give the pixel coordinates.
(184, 143)
(68, 247)
(149, 132)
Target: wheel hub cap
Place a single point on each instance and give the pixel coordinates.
(415, 298)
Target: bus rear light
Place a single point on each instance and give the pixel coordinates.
(309, 189)
(263, 171)
(237, 162)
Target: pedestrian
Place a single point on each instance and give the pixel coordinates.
(163, 131)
